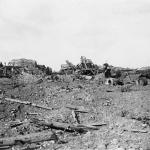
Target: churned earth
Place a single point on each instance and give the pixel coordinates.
(126, 113)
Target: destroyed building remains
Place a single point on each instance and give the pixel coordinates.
(82, 106)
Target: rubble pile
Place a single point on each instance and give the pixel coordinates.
(18, 66)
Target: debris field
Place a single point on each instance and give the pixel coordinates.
(73, 112)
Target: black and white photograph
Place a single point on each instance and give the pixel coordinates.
(74, 74)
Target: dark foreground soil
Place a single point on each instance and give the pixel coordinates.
(125, 112)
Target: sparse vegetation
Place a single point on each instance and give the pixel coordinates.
(74, 111)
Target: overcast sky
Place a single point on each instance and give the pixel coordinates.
(51, 31)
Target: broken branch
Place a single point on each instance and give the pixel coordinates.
(27, 103)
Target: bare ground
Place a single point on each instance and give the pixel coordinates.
(127, 114)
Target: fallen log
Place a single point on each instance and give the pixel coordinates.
(27, 103)
(65, 127)
(29, 138)
(136, 131)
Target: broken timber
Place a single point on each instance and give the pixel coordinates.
(65, 127)
(29, 138)
(27, 103)
(45, 136)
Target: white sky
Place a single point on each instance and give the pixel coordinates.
(51, 31)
